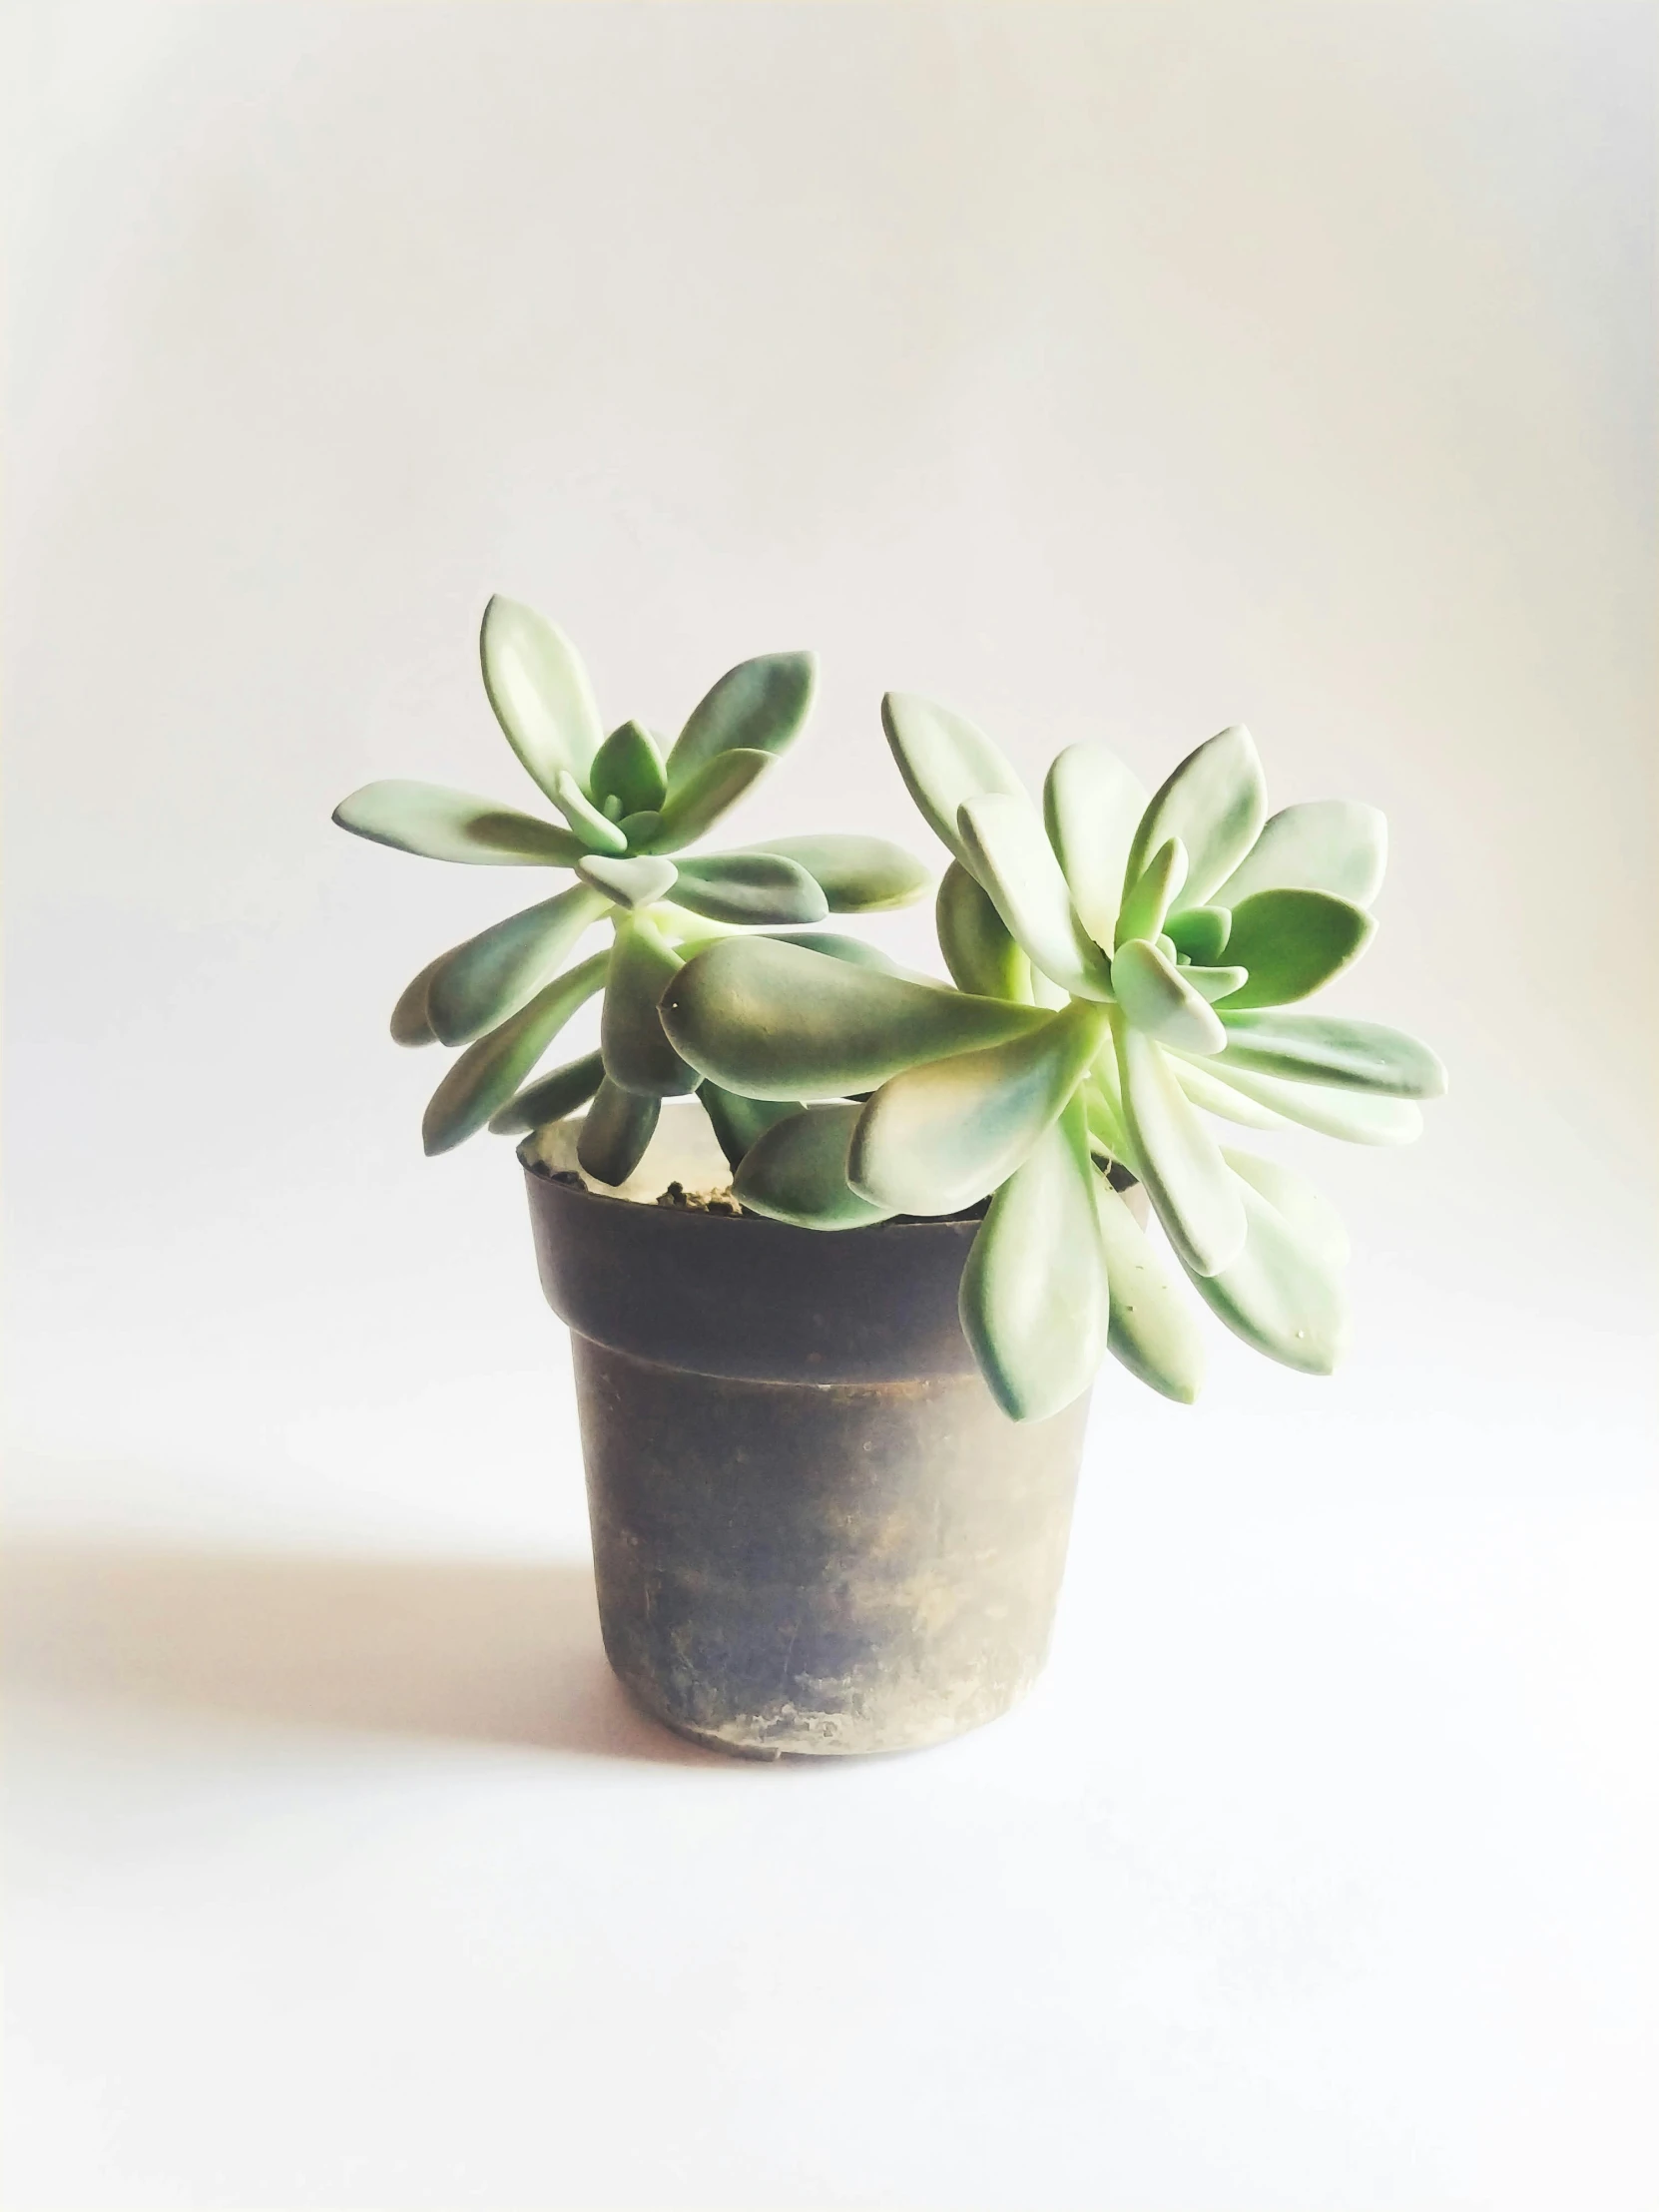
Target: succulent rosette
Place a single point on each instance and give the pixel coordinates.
(627, 810)
(1122, 968)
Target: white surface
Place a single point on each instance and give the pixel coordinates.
(1134, 369)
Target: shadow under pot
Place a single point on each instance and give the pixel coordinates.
(813, 1531)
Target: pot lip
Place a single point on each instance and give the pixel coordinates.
(538, 1172)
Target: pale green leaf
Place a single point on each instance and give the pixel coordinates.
(641, 830)
(1176, 1157)
(707, 794)
(749, 887)
(596, 832)
(1292, 943)
(481, 982)
(980, 954)
(1003, 845)
(1212, 983)
(443, 825)
(1279, 1294)
(1214, 803)
(551, 1097)
(1091, 805)
(638, 1056)
(857, 875)
(944, 760)
(1324, 844)
(615, 1132)
(1271, 1102)
(489, 1072)
(1152, 1330)
(410, 1021)
(1156, 997)
(1307, 1211)
(795, 1171)
(773, 1020)
(540, 692)
(1215, 1097)
(1316, 1048)
(737, 1122)
(632, 882)
(1034, 1302)
(857, 952)
(628, 771)
(1152, 892)
(1199, 933)
(756, 707)
(940, 1136)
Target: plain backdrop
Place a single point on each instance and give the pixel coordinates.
(1114, 371)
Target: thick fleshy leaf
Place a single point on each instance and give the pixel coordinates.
(540, 692)
(944, 760)
(704, 796)
(1279, 1294)
(749, 887)
(1212, 983)
(1004, 847)
(1307, 1211)
(615, 1132)
(1091, 806)
(855, 950)
(1156, 997)
(1152, 1328)
(1293, 942)
(1316, 1048)
(638, 1056)
(410, 1021)
(857, 875)
(443, 825)
(773, 1020)
(489, 1072)
(1271, 1102)
(938, 1137)
(492, 976)
(551, 1097)
(756, 707)
(1152, 893)
(974, 940)
(596, 832)
(1214, 803)
(641, 830)
(628, 769)
(797, 1172)
(630, 884)
(1104, 1113)
(1034, 1302)
(737, 1122)
(1176, 1157)
(1199, 933)
(1325, 844)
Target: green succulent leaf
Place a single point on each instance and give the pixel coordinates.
(615, 1132)
(1157, 997)
(1152, 1331)
(551, 1098)
(1199, 933)
(1280, 1293)
(980, 954)
(853, 951)
(1292, 943)
(1316, 1048)
(641, 830)
(697, 803)
(737, 1122)
(1177, 1159)
(940, 1136)
(596, 832)
(540, 692)
(1213, 983)
(1034, 1302)
(629, 884)
(856, 875)
(1003, 845)
(489, 1072)
(492, 976)
(749, 888)
(1324, 844)
(638, 1056)
(443, 825)
(1271, 1102)
(756, 707)
(773, 1020)
(410, 1021)
(628, 769)
(1152, 893)
(944, 760)
(795, 1171)
(1214, 803)
(1305, 1211)
(1091, 805)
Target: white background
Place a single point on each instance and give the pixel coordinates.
(1116, 371)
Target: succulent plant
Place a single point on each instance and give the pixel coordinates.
(1122, 965)
(626, 804)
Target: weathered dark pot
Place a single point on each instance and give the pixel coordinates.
(812, 1529)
